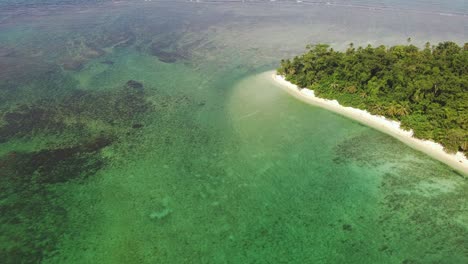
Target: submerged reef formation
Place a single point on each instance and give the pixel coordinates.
(30, 206)
(77, 129)
(423, 202)
(76, 112)
(84, 122)
(165, 51)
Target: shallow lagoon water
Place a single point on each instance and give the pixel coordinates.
(208, 161)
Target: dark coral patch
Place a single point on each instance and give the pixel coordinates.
(166, 53)
(123, 106)
(54, 165)
(25, 119)
(135, 85)
(29, 205)
(137, 126)
(347, 227)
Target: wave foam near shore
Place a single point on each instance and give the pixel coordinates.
(457, 161)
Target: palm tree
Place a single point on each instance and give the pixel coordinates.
(396, 110)
(377, 109)
(401, 110)
(391, 110)
(334, 85)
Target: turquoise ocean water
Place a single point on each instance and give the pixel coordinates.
(149, 132)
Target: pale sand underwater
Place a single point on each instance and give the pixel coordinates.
(457, 161)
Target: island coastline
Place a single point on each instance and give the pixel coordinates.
(458, 161)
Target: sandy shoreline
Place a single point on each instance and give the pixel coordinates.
(457, 161)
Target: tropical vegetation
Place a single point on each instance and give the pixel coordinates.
(425, 89)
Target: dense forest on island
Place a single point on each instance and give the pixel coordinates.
(425, 89)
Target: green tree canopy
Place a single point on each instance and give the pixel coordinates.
(427, 90)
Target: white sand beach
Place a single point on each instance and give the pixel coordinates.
(457, 161)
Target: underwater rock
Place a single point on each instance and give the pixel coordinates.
(347, 227)
(163, 51)
(107, 62)
(383, 248)
(183, 99)
(73, 64)
(137, 126)
(134, 84)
